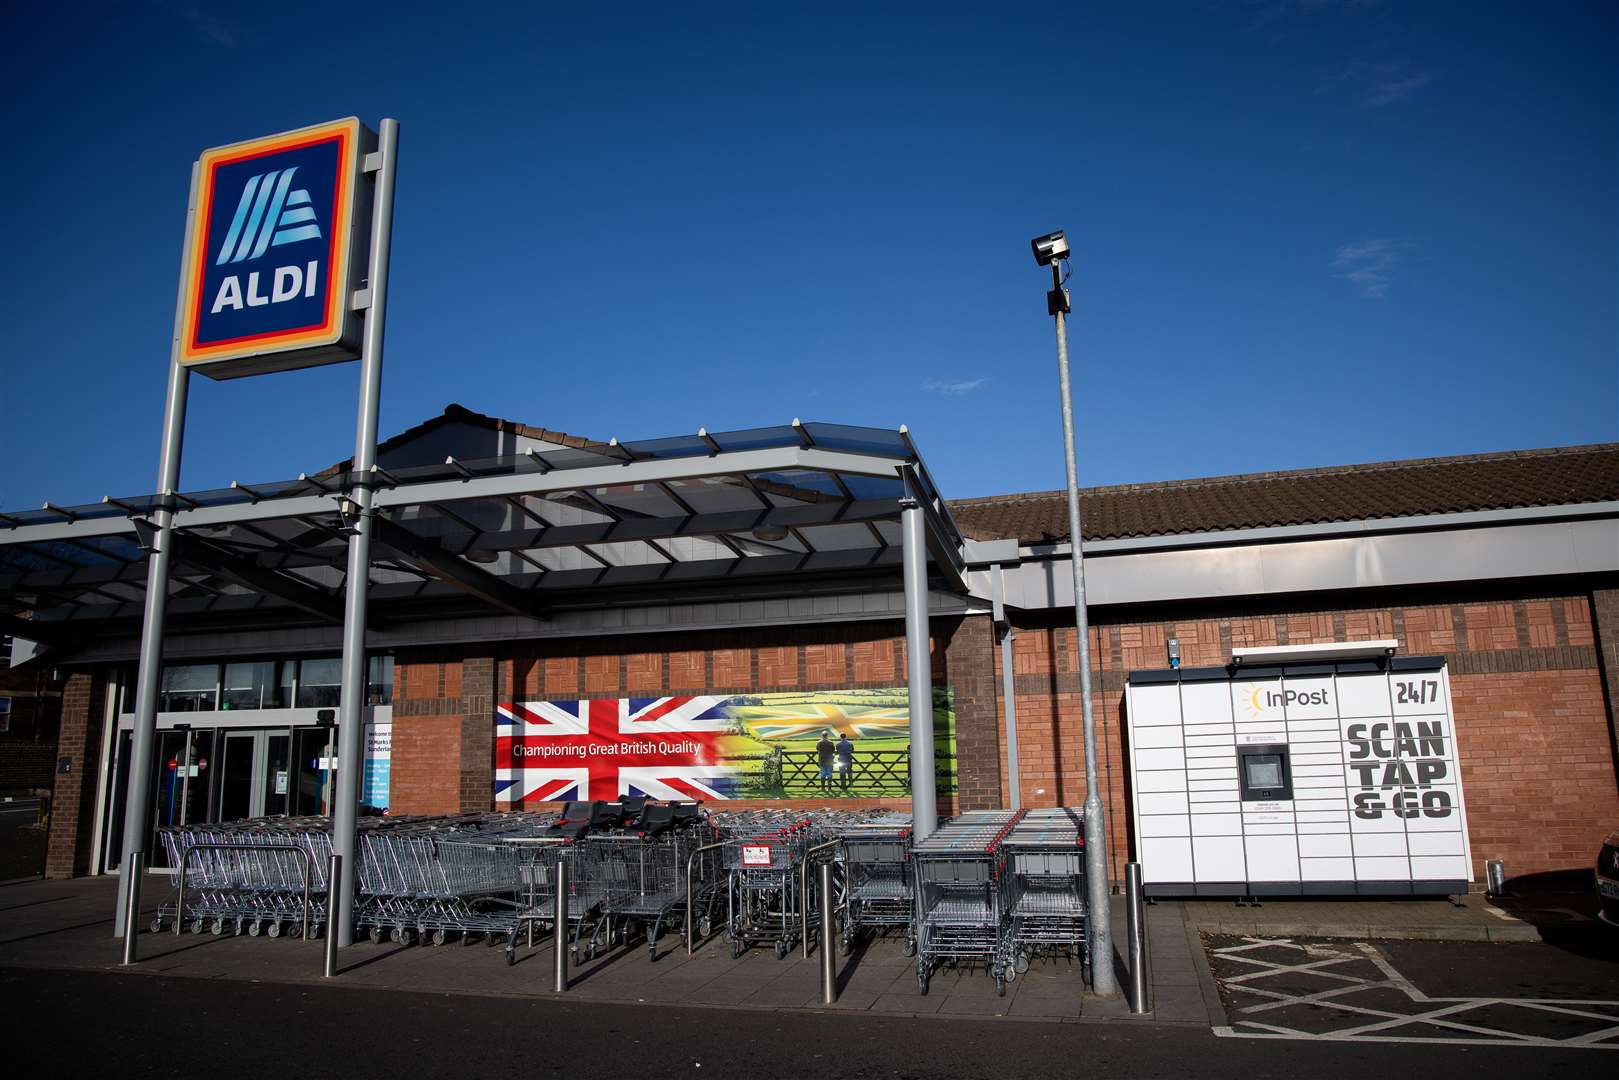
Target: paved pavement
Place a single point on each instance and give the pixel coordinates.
(1476, 918)
(1419, 991)
(68, 925)
(80, 1023)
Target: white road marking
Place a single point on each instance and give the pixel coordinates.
(1446, 1013)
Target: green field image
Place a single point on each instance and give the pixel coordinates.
(777, 733)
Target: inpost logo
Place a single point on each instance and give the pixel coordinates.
(270, 213)
(1262, 702)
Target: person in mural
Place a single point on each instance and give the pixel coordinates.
(845, 752)
(823, 753)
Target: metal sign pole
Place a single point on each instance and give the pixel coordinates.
(138, 797)
(350, 749)
(1103, 980)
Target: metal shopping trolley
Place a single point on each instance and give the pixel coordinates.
(960, 895)
(1046, 898)
(877, 876)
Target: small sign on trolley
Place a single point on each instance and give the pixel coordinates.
(755, 854)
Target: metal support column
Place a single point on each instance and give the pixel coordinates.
(1003, 632)
(1103, 979)
(149, 672)
(350, 751)
(924, 793)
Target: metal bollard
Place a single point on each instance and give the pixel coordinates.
(132, 913)
(559, 930)
(1495, 877)
(829, 953)
(334, 875)
(1136, 934)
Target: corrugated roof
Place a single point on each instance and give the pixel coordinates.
(1523, 478)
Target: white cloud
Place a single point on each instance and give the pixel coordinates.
(1370, 265)
(1393, 90)
(953, 389)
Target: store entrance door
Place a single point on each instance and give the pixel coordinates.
(253, 777)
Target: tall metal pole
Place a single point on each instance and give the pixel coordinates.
(350, 751)
(149, 672)
(919, 675)
(1100, 930)
(1003, 630)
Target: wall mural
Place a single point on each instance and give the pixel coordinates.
(790, 745)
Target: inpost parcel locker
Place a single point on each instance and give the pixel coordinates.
(1305, 777)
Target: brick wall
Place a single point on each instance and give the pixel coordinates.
(67, 851)
(1532, 713)
(443, 740)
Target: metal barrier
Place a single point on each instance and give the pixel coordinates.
(559, 930)
(135, 867)
(691, 859)
(1135, 914)
(192, 849)
(334, 876)
(803, 889)
(829, 972)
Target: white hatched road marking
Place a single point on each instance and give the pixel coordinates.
(1383, 1024)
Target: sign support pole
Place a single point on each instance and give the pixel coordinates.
(1103, 980)
(350, 741)
(138, 797)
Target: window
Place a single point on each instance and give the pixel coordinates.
(189, 688)
(320, 683)
(380, 681)
(1263, 773)
(254, 685)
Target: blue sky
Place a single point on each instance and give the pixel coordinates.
(1304, 233)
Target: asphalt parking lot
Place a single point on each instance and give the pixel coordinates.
(1448, 991)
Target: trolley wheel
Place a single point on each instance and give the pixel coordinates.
(781, 950)
(196, 926)
(1000, 984)
(157, 926)
(845, 944)
(511, 955)
(296, 931)
(910, 946)
(705, 926)
(274, 929)
(254, 928)
(219, 927)
(406, 935)
(1021, 964)
(378, 935)
(921, 979)
(736, 949)
(440, 937)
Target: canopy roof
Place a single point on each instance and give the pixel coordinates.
(517, 532)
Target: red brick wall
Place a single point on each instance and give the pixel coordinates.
(443, 738)
(1532, 716)
(67, 852)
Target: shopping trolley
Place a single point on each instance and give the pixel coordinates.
(960, 895)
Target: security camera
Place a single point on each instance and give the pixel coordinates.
(1049, 248)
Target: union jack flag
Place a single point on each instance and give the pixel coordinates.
(663, 748)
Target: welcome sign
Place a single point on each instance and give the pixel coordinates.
(271, 250)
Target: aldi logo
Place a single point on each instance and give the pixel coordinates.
(271, 257)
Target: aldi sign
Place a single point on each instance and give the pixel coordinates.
(273, 253)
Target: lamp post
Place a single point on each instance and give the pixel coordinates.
(1052, 250)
